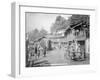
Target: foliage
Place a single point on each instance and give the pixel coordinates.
(36, 34)
(33, 35)
(60, 23)
(43, 43)
(43, 32)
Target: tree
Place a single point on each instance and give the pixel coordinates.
(43, 43)
(60, 23)
(43, 32)
(33, 35)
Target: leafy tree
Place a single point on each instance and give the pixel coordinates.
(43, 32)
(36, 34)
(43, 43)
(33, 35)
(60, 23)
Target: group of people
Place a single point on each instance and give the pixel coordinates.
(39, 50)
(75, 51)
(35, 51)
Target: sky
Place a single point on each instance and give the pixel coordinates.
(41, 21)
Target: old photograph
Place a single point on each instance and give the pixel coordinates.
(53, 39)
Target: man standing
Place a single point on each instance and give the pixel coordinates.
(44, 51)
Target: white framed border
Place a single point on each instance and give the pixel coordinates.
(18, 40)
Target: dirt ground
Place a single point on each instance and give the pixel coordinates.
(56, 57)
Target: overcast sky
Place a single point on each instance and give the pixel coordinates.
(41, 20)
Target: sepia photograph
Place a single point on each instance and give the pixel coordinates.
(54, 39)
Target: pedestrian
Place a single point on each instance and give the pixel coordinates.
(38, 52)
(44, 51)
